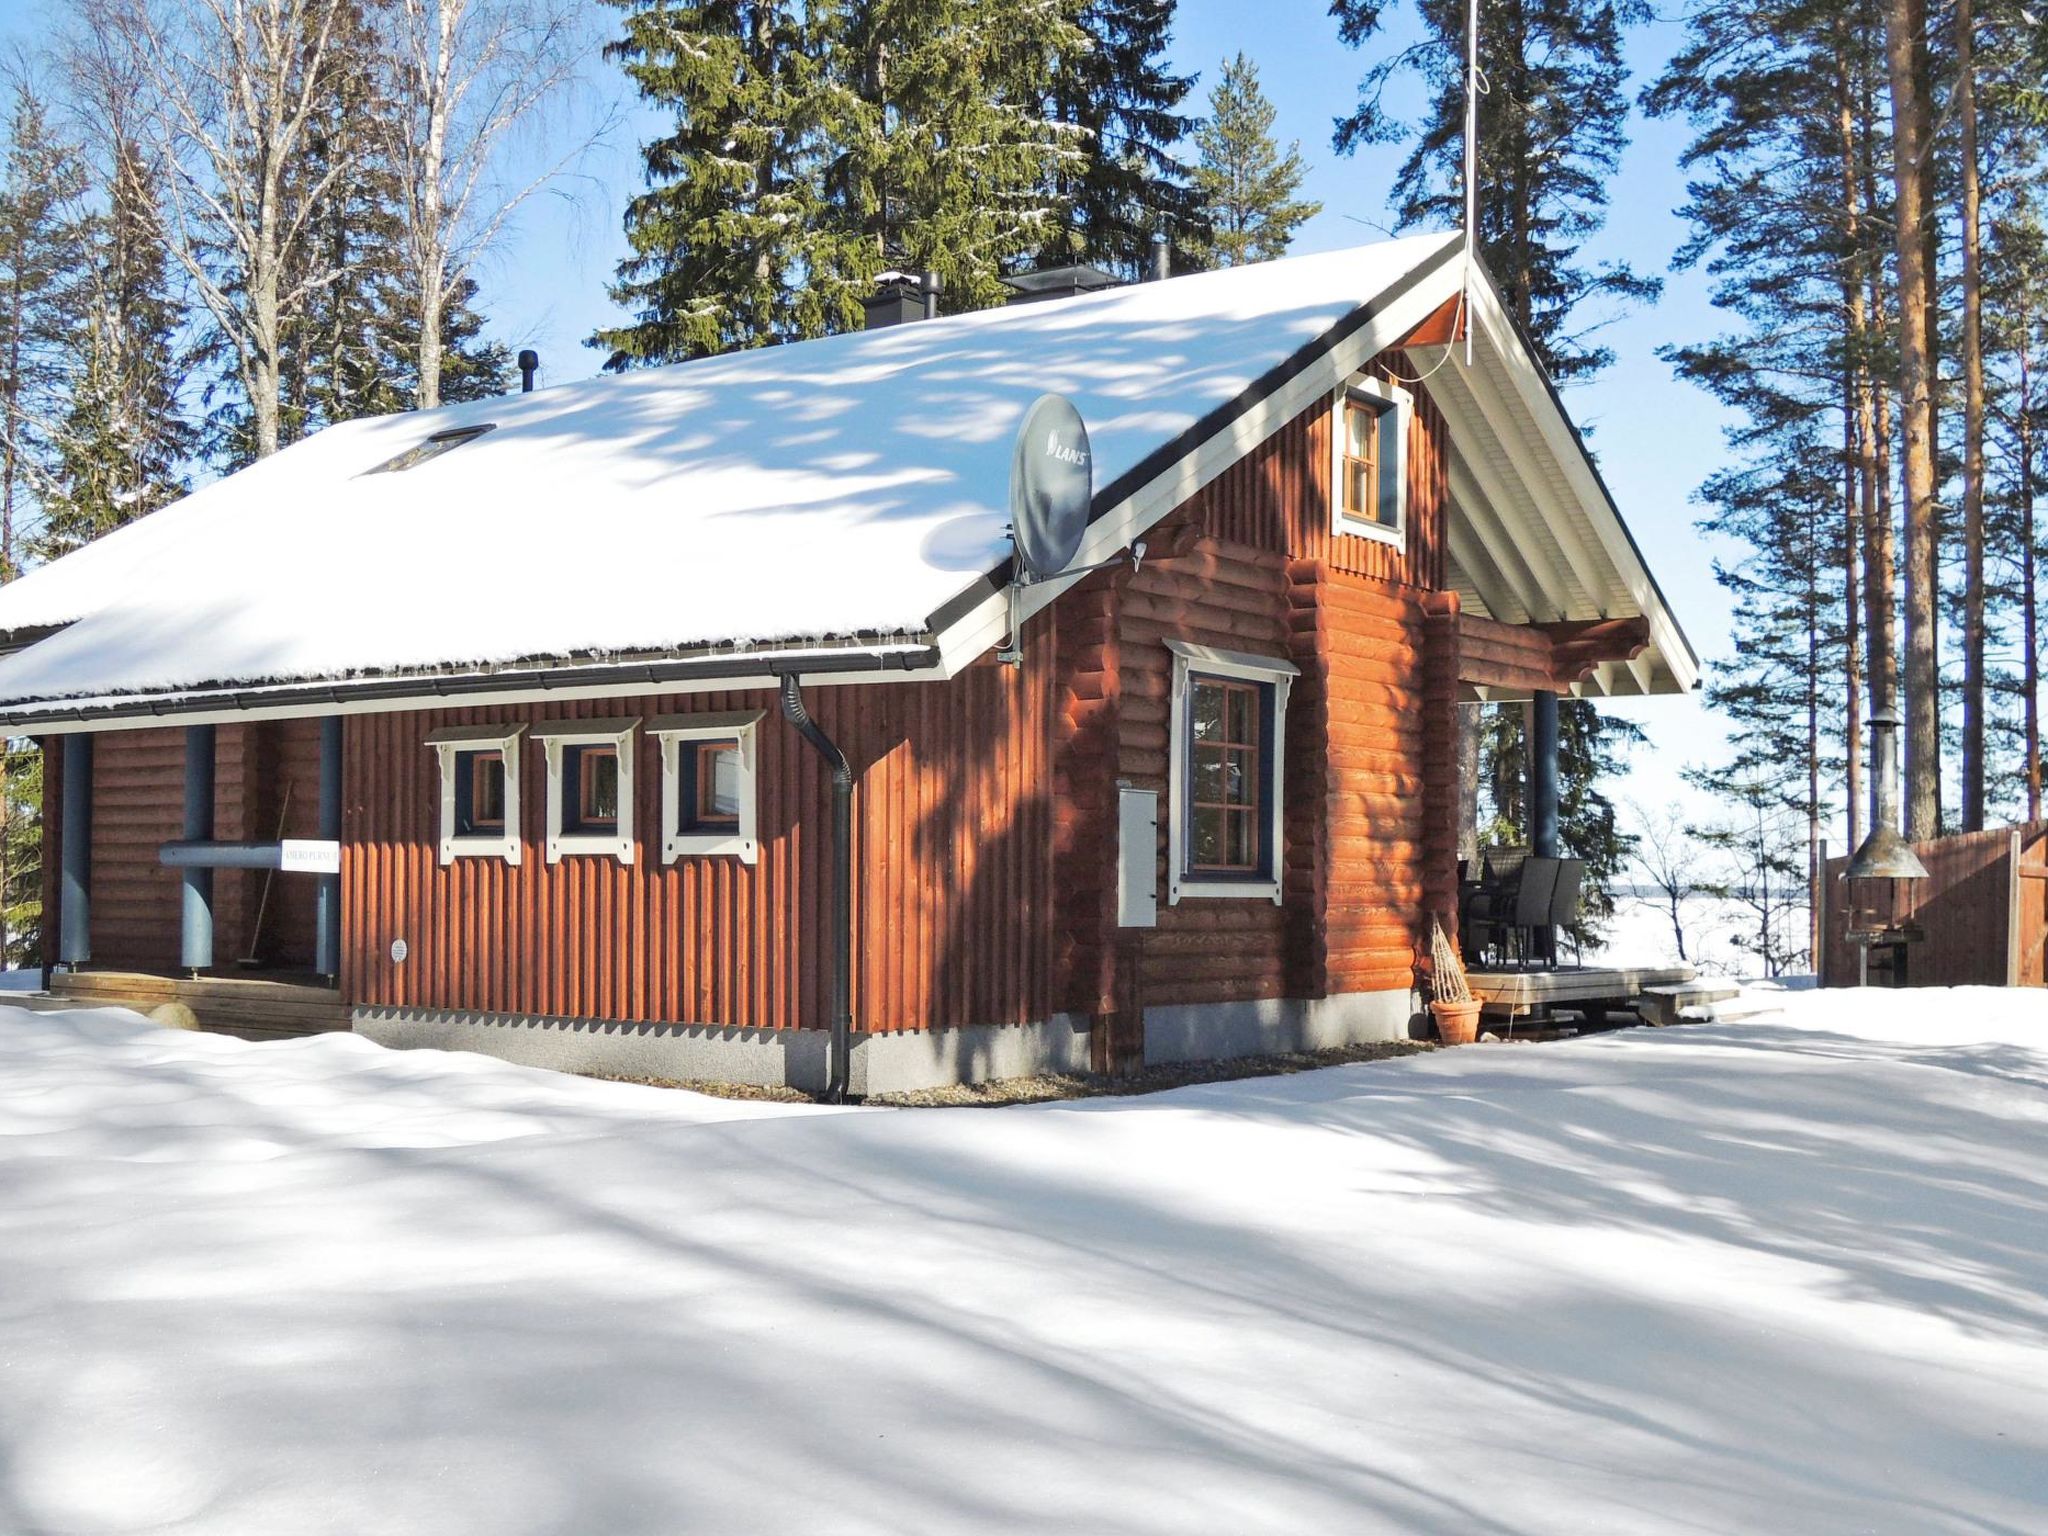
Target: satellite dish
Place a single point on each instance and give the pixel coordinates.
(1052, 485)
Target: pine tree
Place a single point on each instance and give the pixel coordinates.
(1246, 184)
(1122, 105)
(1781, 96)
(1552, 124)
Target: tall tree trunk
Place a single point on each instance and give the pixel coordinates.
(1905, 26)
(1973, 434)
(2030, 665)
(1855, 454)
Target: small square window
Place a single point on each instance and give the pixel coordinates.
(479, 771)
(713, 793)
(591, 789)
(707, 784)
(480, 793)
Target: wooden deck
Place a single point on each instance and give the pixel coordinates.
(1515, 994)
(251, 1007)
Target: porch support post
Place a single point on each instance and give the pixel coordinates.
(74, 891)
(1543, 775)
(195, 930)
(327, 897)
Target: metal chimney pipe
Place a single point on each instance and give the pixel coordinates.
(1885, 854)
(1884, 770)
(928, 288)
(529, 365)
(1162, 258)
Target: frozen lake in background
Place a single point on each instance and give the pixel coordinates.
(1641, 934)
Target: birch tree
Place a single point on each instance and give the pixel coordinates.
(462, 77)
(231, 90)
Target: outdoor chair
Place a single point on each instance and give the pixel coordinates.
(1564, 905)
(1532, 905)
(1487, 911)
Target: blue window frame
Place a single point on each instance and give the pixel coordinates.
(480, 793)
(1227, 812)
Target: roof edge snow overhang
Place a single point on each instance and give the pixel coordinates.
(720, 670)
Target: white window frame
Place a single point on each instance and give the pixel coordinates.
(1388, 397)
(553, 736)
(447, 742)
(674, 730)
(1189, 660)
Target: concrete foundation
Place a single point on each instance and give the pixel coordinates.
(889, 1063)
(1222, 1031)
(775, 1058)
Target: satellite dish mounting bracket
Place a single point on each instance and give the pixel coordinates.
(1010, 652)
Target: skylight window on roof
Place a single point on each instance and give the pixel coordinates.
(432, 448)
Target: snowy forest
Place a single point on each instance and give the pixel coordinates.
(224, 226)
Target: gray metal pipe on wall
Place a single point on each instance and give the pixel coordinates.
(74, 888)
(327, 899)
(195, 927)
(1543, 775)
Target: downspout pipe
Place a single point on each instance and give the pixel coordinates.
(842, 884)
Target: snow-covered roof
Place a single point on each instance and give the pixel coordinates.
(841, 488)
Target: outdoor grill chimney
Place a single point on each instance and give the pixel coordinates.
(529, 365)
(1885, 854)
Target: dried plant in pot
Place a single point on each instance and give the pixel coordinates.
(1455, 1008)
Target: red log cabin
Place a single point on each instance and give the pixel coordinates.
(660, 723)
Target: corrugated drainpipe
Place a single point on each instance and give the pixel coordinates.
(842, 884)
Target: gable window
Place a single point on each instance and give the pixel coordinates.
(707, 785)
(1369, 472)
(1224, 773)
(479, 767)
(590, 787)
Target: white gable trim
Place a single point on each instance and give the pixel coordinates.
(987, 624)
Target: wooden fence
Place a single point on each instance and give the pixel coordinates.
(1983, 908)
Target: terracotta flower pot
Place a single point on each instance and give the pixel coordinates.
(1456, 1023)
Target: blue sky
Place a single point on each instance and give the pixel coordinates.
(1655, 437)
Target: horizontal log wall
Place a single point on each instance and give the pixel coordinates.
(1251, 564)
(953, 840)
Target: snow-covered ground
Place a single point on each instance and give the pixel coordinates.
(1788, 1276)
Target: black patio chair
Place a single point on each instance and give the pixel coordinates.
(1564, 905)
(1532, 904)
(1488, 914)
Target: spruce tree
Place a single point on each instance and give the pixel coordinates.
(1124, 183)
(1246, 184)
(43, 302)
(125, 440)
(735, 218)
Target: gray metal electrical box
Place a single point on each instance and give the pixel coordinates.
(1137, 858)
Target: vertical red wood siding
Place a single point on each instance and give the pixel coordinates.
(952, 860)
(986, 810)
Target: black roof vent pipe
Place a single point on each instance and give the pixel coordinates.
(529, 365)
(838, 1069)
(1162, 258)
